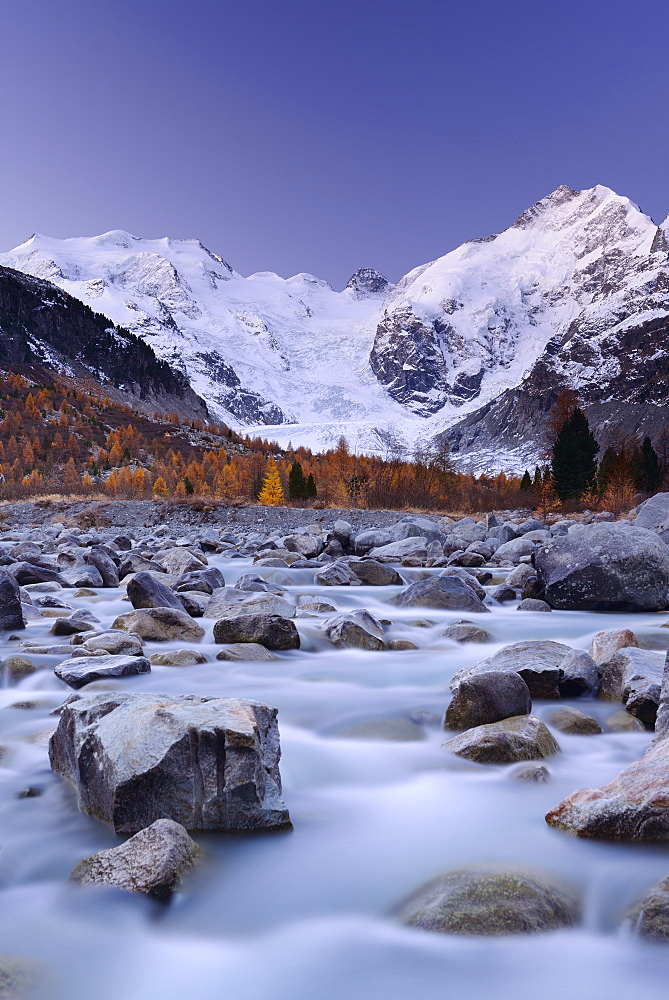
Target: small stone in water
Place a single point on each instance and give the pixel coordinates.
(570, 720)
(531, 772)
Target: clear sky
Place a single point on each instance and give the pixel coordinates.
(327, 135)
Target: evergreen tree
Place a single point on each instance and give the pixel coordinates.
(271, 494)
(610, 464)
(526, 482)
(648, 477)
(574, 466)
(536, 482)
(310, 490)
(297, 486)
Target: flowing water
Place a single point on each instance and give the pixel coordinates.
(305, 915)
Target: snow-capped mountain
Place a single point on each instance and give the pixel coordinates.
(573, 293)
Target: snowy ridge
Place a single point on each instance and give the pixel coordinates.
(558, 298)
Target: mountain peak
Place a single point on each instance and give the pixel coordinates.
(366, 281)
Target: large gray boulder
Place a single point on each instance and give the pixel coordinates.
(357, 629)
(449, 592)
(634, 676)
(522, 737)
(271, 631)
(338, 574)
(580, 675)
(538, 661)
(205, 580)
(105, 565)
(375, 574)
(145, 591)
(308, 546)
(634, 806)
(513, 551)
(488, 697)
(80, 670)
(654, 515)
(491, 901)
(179, 560)
(153, 862)
(11, 612)
(159, 624)
(26, 573)
(370, 539)
(107, 641)
(207, 763)
(605, 567)
(415, 545)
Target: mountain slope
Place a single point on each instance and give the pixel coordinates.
(41, 324)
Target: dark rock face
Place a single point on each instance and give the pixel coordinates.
(488, 697)
(605, 567)
(271, 631)
(366, 281)
(491, 901)
(522, 737)
(145, 591)
(406, 360)
(11, 613)
(449, 592)
(634, 806)
(206, 763)
(41, 323)
(153, 862)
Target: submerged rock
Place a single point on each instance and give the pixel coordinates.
(250, 651)
(649, 917)
(491, 901)
(207, 763)
(570, 720)
(153, 862)
(464, 632)
(523, 737)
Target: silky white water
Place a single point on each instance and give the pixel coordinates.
(306, 914)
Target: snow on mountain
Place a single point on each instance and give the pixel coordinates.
(573, 293)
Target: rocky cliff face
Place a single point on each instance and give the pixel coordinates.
(41, 324)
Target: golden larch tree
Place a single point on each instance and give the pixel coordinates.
(271, 494)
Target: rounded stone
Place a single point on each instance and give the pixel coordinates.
(490, 902)
(570, 720)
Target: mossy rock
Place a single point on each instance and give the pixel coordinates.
(491, 901)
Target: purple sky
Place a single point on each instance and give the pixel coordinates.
(324, 136)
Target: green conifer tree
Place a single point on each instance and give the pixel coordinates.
(536, 482)
(297, 485)
(311, 487)
(574, 465)
(526, 482)
(648, 473)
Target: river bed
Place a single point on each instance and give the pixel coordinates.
(305, 915)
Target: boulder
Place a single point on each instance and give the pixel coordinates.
(79, 621)
(82, 576)
(491, 901)
(468, 578)
(307, 546)
(649, 917)
(317, 607)
(11, 612)
(338, 574)
(488, 697)
(634, 806)
(153, 862)
(538, 661)
(411, 546)
(634, 676)
(605, 644)
(503, 593)
(145, 591)
(522, 737)
(193, 602)
(532, 604)
(623, 722)
(466, 632)
(257, 604)
(512, 551)
(177, 658)
(134, 563)
(448, 592)
(108, 641)
(105, 565)
(207, 763)
(246, 651)
(222, 600)
(376, 574)
(401, 644)
(271, 631)
(570, 720)
(662, 720)
(605, 567)
(653, 514)
(579, 675)
(179, 561)
(519, 576)
(537, 773)
(357, 629)
(159, 624)
(206, 580)
(80, 670)
(26, 573)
